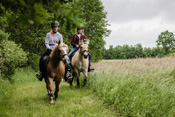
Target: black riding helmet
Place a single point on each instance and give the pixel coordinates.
(54, 23)
(80, 28)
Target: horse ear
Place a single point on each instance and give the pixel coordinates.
(65, 42)
(59, 42)
(81, 42)
(86, 41)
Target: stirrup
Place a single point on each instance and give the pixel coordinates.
(90, 69)
(69, 75)
(39, 76)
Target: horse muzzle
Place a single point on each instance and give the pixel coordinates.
(85, 56)
(66, 60)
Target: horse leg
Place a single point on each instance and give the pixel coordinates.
(85, 78)
(50, 87)
(77, 76)
(57, 83)
(47, 85)
(78, 79)
(71, 81)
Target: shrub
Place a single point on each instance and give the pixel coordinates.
(34, 61)
(11, 55)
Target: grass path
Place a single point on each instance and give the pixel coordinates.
(30, 99)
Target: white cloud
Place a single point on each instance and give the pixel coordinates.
(138, 21)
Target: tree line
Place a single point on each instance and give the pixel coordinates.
(165, 47)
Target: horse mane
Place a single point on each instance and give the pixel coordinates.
(53, 51)
(56, 48)
(84, 41)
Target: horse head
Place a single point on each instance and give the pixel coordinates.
(84, 48)
(60, 52)
(63, 52)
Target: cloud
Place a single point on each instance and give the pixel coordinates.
(138, 21)
(138, 31)
(127, 10)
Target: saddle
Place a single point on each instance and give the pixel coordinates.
(45, 62)
(72, 54)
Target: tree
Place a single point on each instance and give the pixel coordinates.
(33, 11)
(28, 21)
(95, 23)
(166, 40)
(139, 50)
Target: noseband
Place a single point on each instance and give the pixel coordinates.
(63, 56)
(82, 52)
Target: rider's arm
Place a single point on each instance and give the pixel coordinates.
(47, 42)
(61, 39)
(72, 41)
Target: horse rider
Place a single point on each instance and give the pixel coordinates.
(75, 43)
(51, 40)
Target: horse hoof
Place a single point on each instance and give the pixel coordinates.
(70, 84)
(78, 86)
(51, 102)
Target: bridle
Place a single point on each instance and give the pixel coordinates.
(82, 52)
(63, 57)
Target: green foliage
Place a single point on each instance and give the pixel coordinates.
(3, 36)
(34, 61)
(11, 55)
(165, 43)
(92, 12)
(25, 10)
(131, 52)
(32, 37)
(28, 22)
(166, 40)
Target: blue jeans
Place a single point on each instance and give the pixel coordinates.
(75, 49)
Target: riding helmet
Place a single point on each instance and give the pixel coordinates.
(54, 23)
(80, 28)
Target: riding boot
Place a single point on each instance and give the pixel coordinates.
(39, 76)
(65, 75)
(89, 68)
(68, 74)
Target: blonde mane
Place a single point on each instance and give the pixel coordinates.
(53, 51)
(84, 41)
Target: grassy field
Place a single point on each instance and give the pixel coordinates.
(138, 87)
(27, 96)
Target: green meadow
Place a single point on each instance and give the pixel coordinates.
(137, 87)
(25, 96)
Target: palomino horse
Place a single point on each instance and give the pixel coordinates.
(55, 68)
(80, 62)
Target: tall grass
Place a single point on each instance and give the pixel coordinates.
(142, 87)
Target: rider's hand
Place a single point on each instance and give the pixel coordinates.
(77, 46)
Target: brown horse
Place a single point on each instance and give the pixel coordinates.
(56, 68)
(80, 62)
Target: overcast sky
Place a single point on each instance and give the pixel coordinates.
(138, 21)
